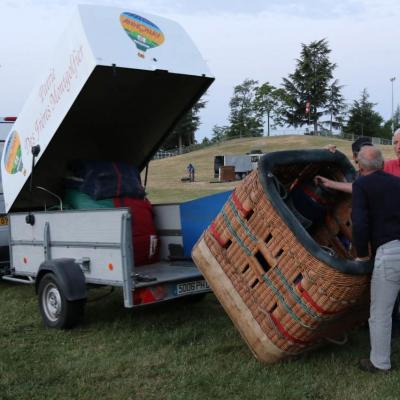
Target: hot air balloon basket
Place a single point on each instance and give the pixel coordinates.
(281, 297)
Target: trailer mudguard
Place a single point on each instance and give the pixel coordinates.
(68, 273)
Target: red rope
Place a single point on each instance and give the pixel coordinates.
(285, 333)
(238, 204)
(310, 300)
(216, 235)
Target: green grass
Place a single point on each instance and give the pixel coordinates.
(173, 351)
(164, 178)
(176, 350)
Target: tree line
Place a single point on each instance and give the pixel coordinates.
(309, 97)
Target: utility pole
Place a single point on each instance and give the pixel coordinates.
(392, 80)
(331, 105)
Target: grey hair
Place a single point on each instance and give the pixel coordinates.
(396, 132)
(370, 158)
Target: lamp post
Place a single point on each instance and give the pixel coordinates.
(392, 80)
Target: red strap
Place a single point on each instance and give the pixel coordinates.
(285, 333)
(119, 177)
(313, 195)
(310, 300)
(117, 202)
(216, 235)
(238, 204)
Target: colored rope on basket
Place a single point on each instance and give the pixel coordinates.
(216, 235)
(282, 333)
(242, 223)
(283, 301)
(285, 333)
(238, 204)
(233, 232)
(311, 301)
(295, 296)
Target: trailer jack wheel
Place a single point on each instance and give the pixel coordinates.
(57, 312)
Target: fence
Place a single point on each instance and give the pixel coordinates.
(346, 136)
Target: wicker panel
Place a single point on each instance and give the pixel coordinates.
(296, 300)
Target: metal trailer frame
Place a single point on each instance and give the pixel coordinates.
(31, 246)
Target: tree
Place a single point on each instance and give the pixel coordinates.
(396, 118)
(392, 124)
(244, 119)
(266, 103)
(363, 120)
(219, 133)
(184, 132)
(310, 92)
(336, 107)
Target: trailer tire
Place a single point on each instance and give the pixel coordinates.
(56, 311)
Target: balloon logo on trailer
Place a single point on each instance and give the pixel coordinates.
(13, 154)
(143, 32)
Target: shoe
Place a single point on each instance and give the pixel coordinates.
(367, 366)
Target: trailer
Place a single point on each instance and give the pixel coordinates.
(140, 73)
(243, 163)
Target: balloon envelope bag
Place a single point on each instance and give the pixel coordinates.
(279, 256)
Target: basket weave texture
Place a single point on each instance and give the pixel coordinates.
(298, 301)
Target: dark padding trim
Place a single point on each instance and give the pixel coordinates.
(268, 181)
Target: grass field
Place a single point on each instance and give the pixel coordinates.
(164, 178)
(176, 350)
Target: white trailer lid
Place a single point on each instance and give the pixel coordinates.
(115, 86)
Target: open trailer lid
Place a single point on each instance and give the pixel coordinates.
(115, 86)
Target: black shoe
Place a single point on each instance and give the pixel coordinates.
(367, 366)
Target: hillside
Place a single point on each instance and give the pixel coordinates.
(164, 178)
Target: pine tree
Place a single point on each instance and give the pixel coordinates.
(363, 120)
(184, 132)
(310, 92)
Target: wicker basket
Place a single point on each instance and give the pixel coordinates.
(284, 292)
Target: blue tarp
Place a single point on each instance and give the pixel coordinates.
(196, 216)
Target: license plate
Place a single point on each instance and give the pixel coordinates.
(3, 220)
(192, 287)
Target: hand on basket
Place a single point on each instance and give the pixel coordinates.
(362, 258)
(331, 147)
(321, 180)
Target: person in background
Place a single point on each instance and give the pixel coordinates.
(344, 186)
(390, 166)
(393, 166)
(376, 222)
(190, 170)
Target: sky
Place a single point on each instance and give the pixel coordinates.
(256, 39)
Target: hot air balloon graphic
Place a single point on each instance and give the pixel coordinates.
(13, 154)
(143, 32)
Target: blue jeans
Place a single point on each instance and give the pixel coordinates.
(385, 286)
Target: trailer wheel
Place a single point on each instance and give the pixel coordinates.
(57, 312)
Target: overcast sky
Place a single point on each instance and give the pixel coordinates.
(258, 39)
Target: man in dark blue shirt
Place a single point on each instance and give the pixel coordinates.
(376, 226)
